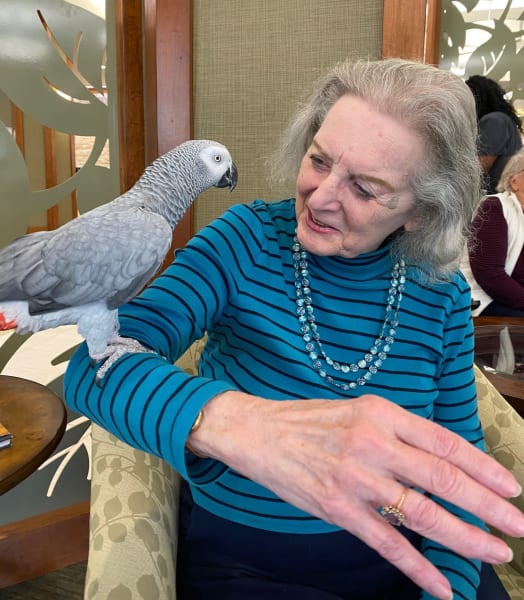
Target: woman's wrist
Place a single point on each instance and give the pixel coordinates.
(195, 427)
(221, 425)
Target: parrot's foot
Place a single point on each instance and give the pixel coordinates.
(118, 339)
(115, 350)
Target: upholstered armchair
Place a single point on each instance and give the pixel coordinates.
(133, 523)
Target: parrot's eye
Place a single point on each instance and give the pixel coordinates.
(218, 158)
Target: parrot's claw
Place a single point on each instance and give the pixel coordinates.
(114, 351)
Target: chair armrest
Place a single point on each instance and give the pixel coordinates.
(504, 435)
(133, 523)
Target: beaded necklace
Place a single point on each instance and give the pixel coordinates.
(320, 361)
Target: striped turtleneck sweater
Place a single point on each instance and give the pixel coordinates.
(235, 282)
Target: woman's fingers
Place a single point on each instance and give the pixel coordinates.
(432, 521)
(444, 444)
(445, 480)
(396, 549)
(444, 464)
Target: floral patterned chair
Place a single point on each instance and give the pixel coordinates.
(133, 522)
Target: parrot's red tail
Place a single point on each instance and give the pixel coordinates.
(6, 324)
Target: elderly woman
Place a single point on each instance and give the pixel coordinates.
(496, 247)
(331, 441)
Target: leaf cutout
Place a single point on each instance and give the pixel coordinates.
(10, 347)
(515, 76)
(72, 65)
(44, 68)
(15, 199)
(102, 188)
(491, 57)
(469, 5)
(454, 38)
(95, 185)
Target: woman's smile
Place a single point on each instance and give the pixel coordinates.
(316, 224)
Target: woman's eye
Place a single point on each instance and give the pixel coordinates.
(317, 161)
(360, 191)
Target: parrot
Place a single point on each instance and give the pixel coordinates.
(80, 273)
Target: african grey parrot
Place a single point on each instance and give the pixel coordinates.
(83, 271)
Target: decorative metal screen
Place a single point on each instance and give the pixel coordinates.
(486, 37)
(58, 140)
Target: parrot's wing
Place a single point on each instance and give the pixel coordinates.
(104, 255)
(15, 257)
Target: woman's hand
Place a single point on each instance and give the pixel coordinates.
(342, 460)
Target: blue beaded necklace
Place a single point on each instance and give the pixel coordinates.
(372, 360)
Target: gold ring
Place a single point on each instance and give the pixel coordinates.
(393, 514)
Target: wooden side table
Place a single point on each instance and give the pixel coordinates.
(37, 419)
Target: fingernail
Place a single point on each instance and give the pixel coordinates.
(443, 591)
(516, 491)
(502, 553)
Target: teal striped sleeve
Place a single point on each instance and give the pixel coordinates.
(456, 409)
(148, 403)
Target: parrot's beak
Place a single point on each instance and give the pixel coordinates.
(230, 178)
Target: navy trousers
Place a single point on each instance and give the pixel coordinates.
(221, 559)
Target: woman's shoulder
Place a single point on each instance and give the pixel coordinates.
(493, 201)
(260, 215)
(489, 217)
(495, 117)
(448, 288)
(262, 210)
(272, 211)
(500, 123)
(252, 225)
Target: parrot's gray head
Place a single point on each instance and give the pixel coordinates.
(176, 178)
(218, 162)
(197, 165)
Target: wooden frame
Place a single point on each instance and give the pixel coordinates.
(156, 112)
(129, 50)
(412, 30)
(168, 101)
(153, 36)
(43, 543)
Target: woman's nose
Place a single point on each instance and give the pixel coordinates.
(328, 193)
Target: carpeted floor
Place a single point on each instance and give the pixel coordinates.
(66, 584)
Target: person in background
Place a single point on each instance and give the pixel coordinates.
(331, 441)
(496, 246)
(500, 128)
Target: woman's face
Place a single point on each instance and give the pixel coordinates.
(352, 188)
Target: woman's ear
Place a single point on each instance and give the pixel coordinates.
(513, 184)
